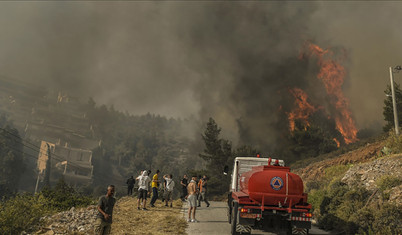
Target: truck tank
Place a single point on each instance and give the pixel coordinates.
(273, 185)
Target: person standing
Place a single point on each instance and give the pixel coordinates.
(198, 182)
(164, 189)
(184, 183)
(103, 223)
(143, 183)
(155, 185)
(130, 185)
(192, 199)
(169, 189)
(203, 191)
(149, 193)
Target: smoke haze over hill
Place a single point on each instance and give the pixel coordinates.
(229, 60)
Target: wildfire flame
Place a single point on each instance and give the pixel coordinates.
(337, 142)
(332, 75)
(303, 108)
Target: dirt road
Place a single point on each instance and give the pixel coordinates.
(213, 220)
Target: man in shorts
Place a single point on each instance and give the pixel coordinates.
(168, 195)
(143, 182)
(192, 199)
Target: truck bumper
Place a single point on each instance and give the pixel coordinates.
(247, 221)
(300, 224)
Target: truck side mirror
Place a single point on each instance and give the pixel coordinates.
(225, 170)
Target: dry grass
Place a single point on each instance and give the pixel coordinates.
(157, 220)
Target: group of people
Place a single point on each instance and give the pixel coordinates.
(143, 188)
(194, 192)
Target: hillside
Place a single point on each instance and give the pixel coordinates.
(358, 192)
(317, 170)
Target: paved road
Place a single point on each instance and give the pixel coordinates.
(213, 220)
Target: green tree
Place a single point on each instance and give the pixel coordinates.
(216, 153)
(213, 144)
(245, 151)
(388, 111)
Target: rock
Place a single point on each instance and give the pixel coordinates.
(71, 221)
(368, 174)
(396, 195)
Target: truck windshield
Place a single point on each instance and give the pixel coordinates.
(246, 165)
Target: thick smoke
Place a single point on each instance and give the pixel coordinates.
(232, 61)
(248, 56)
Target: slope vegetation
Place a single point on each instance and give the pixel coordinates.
(358, 192)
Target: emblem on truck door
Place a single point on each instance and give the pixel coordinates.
(276, 183)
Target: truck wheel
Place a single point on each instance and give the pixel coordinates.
(234, 218)
(229, 212)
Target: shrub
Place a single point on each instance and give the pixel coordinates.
(339, 205)
(315, 198)
(387, 182)
(336, 171)
(364, 219)
(388, 219)
(353, 201)
(310, 185)
(21, 212)
(394, 143)
(327, 222)
(63, 197)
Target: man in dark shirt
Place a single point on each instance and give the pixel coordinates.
(130, 185)
(184, 183)
(105, 208)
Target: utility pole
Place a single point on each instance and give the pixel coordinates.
(391, 75)
(37, 183)
(48, 166)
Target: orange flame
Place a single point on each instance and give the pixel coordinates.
(332, 75)
(337, 142)
(303, 110)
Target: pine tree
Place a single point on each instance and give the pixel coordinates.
(213, 148)
(217, 152)
(388, 107)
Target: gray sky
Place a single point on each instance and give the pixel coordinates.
(227, 60)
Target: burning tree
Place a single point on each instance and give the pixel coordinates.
(322, 122)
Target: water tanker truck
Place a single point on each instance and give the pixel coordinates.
(265, 195)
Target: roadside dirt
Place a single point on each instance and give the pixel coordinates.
(157, 220)
(127, 220)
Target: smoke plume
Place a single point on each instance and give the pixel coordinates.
(233, 61)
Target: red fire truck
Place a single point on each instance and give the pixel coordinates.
(265, 195)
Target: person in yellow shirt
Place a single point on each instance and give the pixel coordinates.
(155, 184)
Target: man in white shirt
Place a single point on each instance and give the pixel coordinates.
(169, 189)
(143, 183)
